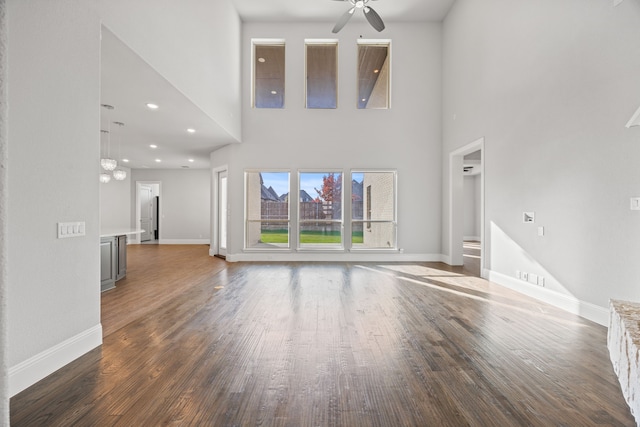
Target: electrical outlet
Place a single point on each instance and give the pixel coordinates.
(524, 276)
(533, 278)
(518, 274)
(541, 281)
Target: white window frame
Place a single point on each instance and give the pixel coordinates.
(247, 221)
(364, 221)
(300, 222)
(308, 42)
(265, 42)
(377, 42)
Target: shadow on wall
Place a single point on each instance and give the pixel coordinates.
(509, 260)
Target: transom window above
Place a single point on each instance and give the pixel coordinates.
(321, 73)
(268, 74)
(373, 74)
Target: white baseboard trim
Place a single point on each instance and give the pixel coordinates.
(332, 257)
(568, 303)
(471, 238)
(34, 369)
(183, 241)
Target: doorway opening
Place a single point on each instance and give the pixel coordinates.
(148, 211)
(466, 209)
(220, 217)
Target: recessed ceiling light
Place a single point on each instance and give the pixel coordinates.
(191, 160)
(153, 146)
(273, 92)
(125, 160)
(191, 130)
(152, 106)
(364, 99)
(158, 160)
(376, 71)
(261, 60)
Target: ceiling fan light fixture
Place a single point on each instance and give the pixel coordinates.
(372, 17)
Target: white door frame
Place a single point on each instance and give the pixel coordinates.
(214, 248)
(456, 203)
(136, 238)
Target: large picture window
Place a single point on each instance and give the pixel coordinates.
(320, 213)
(267, 225)
(373, 210)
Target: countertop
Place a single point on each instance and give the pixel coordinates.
(110, 232)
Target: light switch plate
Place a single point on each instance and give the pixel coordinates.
(635, 203)
(71, 229)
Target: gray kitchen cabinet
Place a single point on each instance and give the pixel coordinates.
(113, 261)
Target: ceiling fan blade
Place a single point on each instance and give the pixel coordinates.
(343, 20)
(373, 18)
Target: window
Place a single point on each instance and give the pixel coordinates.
(267, 210)
(268, 74)
(368, 199)
(373, 74)
(373, 211)
(320, 213)
(321, 73)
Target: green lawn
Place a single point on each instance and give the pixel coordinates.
(280, 236)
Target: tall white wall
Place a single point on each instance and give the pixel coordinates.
(54, 151)
(550, 85)
(115, 203)
(406, 137)
(194, 44)
(4, 220)
(185, 203)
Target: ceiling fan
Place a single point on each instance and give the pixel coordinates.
(371, 15)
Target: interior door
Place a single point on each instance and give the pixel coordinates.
(146, 213)
(222, 213)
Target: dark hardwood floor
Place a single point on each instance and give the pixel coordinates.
(192, 340)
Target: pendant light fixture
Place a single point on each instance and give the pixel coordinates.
(107, 162)
(104, 177)
(119, 174)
